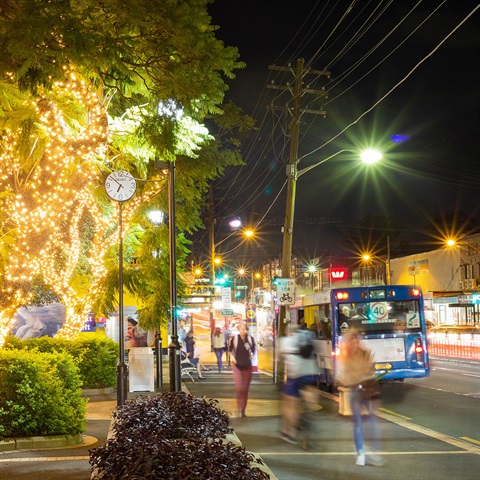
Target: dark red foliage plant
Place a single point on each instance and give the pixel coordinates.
(173, 436)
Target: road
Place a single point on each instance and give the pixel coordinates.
(430, 428)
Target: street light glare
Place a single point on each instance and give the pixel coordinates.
(450, 242)
(156, 216)
(366, 257)
(248, 233)
(371, 156)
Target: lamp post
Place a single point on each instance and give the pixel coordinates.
(157, 216)
(174, 347)
(367, 257)
(370, 156)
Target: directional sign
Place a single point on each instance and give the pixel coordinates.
(285, 291)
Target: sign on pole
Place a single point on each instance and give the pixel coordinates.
(285, 291)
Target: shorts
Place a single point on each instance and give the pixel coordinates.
(293, 386)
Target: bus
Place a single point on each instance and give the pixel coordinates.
(390, 320)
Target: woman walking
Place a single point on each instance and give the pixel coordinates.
(242, 348)
(356, 369)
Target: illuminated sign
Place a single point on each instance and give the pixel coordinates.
(338, 273)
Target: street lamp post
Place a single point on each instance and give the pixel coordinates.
(369, 156)
(174, 347)
(368, 257)
(157, 216)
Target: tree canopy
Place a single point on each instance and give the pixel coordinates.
(97, 86)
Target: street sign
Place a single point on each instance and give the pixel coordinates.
(285, 291)
(227, 312)
(227, 298)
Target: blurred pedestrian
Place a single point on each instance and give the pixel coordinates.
(218, 346)
(297, 350)
(355, 371)
(242, 348)
(190, 354)
(226, 334)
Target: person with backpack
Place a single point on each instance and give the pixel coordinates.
(301, 367)
(242, 347)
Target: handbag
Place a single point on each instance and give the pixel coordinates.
(370, 390)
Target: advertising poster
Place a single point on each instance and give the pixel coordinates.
(34, 322)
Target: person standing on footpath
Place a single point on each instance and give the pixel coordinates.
(218, 346)
(356, 368)
(242, 348)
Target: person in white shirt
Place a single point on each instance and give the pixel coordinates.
(301, 373)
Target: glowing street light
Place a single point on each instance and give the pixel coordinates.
(367, 257)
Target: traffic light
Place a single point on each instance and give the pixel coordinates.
(222, 280)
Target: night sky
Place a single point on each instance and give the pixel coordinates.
(432, 174)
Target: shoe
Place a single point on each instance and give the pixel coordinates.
(243, 415)
(288, 438)
(201, 378)
(376, 460)
(361, 459)
(207, 369)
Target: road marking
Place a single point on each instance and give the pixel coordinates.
(343, 454)
(391, 412)
(404, 422)
(468, 439)
(431, 433)
(45, 459)
(470, 375)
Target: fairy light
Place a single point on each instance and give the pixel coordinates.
(46, 206)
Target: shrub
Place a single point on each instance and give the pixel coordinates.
(95, 356)
(172, 415)
(173, 436)
(40, 394)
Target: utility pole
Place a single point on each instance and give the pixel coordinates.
(296, 111)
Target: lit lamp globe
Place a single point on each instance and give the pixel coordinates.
(156, 217)
(370, 156)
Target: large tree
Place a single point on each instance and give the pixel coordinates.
(93, 75)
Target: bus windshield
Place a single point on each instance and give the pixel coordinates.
(378, 317)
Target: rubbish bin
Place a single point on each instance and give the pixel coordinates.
(140, 370)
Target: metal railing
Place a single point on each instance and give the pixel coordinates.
(454, 345)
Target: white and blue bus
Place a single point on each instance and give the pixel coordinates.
(389, 318)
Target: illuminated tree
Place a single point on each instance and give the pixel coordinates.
(61, 134)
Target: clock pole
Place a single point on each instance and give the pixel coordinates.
(122, 371)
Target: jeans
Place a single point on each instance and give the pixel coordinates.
(219, 354)
(370, 420)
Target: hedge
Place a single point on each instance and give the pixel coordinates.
(41, 394)
(95, 356)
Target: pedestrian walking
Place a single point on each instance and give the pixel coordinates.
(356, 371)
(218, 346)
(297, 350)
(242, 348)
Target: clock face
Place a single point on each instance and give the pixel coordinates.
(120, 186)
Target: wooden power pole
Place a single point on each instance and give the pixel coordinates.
(296, 111)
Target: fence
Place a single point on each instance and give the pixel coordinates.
(454, 345)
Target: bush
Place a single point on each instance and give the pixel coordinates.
(173, 436)
(95, 356)
(40, 394)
